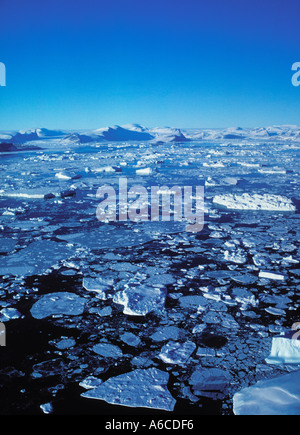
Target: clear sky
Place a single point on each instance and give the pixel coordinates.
(84, 64)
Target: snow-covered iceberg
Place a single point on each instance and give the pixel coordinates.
(248, 201)
(279, 396)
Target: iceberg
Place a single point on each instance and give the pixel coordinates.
(137, 389)
(246, 201)
(279, 396)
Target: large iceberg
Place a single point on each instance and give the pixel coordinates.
(280, 396)
(140, 389)
(246, 201)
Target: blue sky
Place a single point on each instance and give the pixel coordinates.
(83, 64)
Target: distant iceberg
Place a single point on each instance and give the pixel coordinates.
(255, 202)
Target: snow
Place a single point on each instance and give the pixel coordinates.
(58, 304)
(137, 389)
(248, 201)
(279, 396)
(157, 136)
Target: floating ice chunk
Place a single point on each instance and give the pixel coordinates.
(98, 285)
(238, 256)
(57, 304)
(47, 408)
(104, 312)
(145, 171)
(176, 352)
(7, 314)
(244, 279)
(107, 169)
(131, 339)
(7, 245)
(209, 379)
(65, 343)
(63, 176)
(107, 350)
(35, 259)
(284, 351)
(223, 319)
(270, 275)
(139, 301)
(206, 352)
(196, 302)
(199, 328)
(255, 202)
(275, 311)
(137, 389)
(279, 396)
(90, 382)
(166, 333)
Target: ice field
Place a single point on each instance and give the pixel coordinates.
(125, 317)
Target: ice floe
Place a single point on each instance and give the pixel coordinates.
(58, 304)
(138, 389)
(176, 352)
(139, 301)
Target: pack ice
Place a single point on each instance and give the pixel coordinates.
(137, 389)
